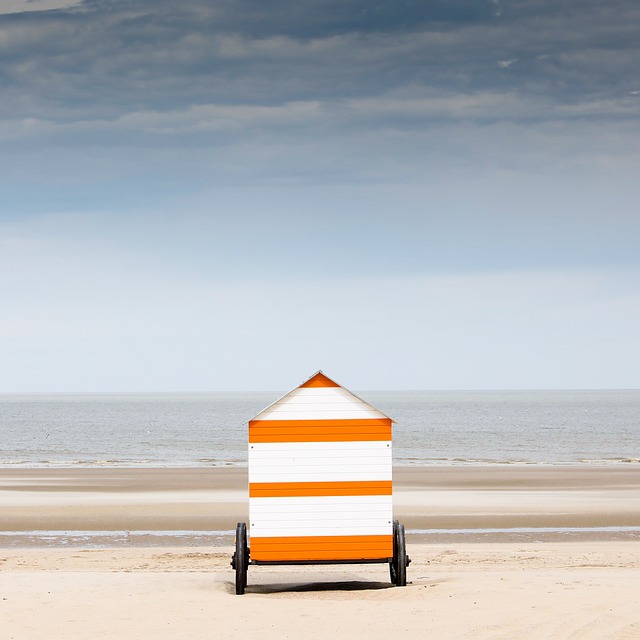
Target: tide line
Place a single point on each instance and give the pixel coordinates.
(222, 533)
(611, 529)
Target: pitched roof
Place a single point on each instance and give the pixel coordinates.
(320, 398)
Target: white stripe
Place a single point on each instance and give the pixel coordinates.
(324, 395)
(362, 502)
(320, 462)
(319, 475)
(326, 515)
(323, 413)
(322, 404)
(362, 505)
(321, 448)
(295, 464)
(323, 392)
(294, 529)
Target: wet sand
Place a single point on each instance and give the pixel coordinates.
(425, 499)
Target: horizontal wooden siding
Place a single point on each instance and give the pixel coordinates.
(320, 477)
(309, 548)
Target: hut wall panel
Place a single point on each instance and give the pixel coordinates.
(329, 398)
(322, 548)
(360, 430)
(318, 449)
(303, 395)
(315, 411)
(318, 489)
(324, 502)
(322, 515)
(325, 413)
(297, 528)
(320, 461)
(321, 472)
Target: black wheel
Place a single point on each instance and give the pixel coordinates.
(398, 565)
(401, 573)
(393, 566)
(240, 561)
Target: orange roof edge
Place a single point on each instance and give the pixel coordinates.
(318, 379)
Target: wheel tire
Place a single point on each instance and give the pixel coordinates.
(401, 567)
(241, 558)
(393, 564)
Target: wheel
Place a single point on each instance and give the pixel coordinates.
(393, 567)
(401, 572)
(400, 561)
(240, 561)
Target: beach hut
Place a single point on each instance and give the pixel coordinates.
(320, 485)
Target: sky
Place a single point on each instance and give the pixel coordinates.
(228, 195)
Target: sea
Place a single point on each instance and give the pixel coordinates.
(431, 428)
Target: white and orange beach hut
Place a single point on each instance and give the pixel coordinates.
(320, 484)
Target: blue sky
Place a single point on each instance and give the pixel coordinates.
(203, 196)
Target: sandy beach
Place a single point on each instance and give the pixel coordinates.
(214, 499)
(522, 583)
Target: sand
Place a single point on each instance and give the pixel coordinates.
(541, 590)
(480, 585)
(216, 498)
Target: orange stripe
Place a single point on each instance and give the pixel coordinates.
(322, 548)
(378, 429)
(319, 437)
(319, 380)
(298, 489)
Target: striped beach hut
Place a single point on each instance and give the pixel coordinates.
(320, 483)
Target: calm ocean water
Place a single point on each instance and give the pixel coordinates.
(553, 427)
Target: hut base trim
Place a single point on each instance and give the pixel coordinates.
(319, 548)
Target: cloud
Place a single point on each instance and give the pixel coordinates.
(287, 94)
(150, 105)
(449, 185)
(112, 58)
(20, 6)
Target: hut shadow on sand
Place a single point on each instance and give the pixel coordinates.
(317, 587)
